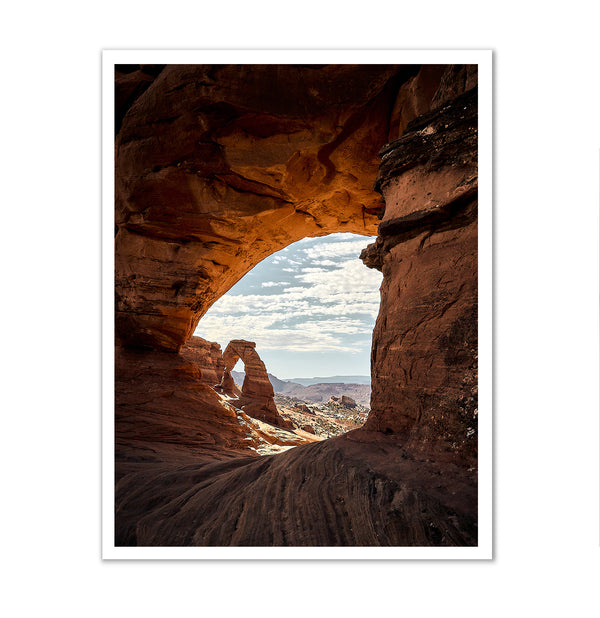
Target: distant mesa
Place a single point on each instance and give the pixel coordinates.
(357, 379)
(319, 392)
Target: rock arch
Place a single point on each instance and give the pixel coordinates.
(256, 396)
(256, 382)
(218, 167)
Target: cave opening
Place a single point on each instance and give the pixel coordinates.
(220, 168)
(309, 309)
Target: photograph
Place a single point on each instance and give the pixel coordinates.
(297, 306)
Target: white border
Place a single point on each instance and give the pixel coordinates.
(484, 551)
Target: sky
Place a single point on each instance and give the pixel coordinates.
(310, 308)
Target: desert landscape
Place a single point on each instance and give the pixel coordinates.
(220, 166)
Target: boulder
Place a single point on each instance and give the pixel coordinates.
(302, 407)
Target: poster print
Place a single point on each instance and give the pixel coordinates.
(300, 261)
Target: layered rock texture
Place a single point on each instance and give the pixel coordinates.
(218, 167)
(424, 353)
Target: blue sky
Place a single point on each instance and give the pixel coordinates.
(310, 308)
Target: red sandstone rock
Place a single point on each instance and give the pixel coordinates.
(217, 167)
(302, 407)
(424, 353)
(356, 490)
(256, 381)
(415, 97)
(206, 355)
(347, 402)
(256, 398)
(163, 411)
(228, 385)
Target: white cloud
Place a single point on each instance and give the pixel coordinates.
(324, 335)
(311, 269)
(272, 284)
(338, 249)
(327, 309)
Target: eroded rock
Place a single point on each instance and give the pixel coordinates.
(217, 167)
(424, 353)
(256, 397)
(207, 356)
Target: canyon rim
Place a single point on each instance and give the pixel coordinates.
(222, 159)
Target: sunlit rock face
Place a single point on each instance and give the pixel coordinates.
(217, 167)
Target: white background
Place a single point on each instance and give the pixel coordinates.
(546, 231)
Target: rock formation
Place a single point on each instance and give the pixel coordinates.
(348, 402)
(256, 397)
(338, 492)
(228, 385)
(164, 412)
(426, 332)
(207, 357)
(218, 167)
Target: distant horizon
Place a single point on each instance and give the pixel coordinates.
(352, 375)
(310, 308)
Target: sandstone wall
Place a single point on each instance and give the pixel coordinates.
(424, 352)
